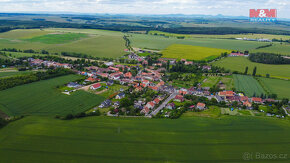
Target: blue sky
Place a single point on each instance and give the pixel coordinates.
(207, 7)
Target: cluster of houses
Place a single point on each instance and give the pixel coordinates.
(251, 39)
(238, 54)
(114, 73)
(39, 62)
(151, 104)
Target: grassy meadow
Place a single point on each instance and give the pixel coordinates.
(191, 52)
(43, 98)
(107, 139)
(276, 48)
(240, 63)
(211, 81)
(12, 73)
(276, 86)
(248, 84)
(98, 43)
(57, 38)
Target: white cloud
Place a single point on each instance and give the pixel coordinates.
(209, 7)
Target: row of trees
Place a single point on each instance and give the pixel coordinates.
(268, 58)
(13, 81)
(78, 115)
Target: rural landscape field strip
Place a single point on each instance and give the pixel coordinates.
(136, 139)
(97, 43)
(43, 98)
(160, 42)
(240, 63)
(276, 86)
(180, 51)
(249, 85)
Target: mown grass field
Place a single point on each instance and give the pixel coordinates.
(98, 43)
(113, 90)
(192, 52)
(249, 85)
(276, 86)
(105, 139)
(240, 63)
(160, 42)
(43, 98)
(57, 38)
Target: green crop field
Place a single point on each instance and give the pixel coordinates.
(228, 36)
(12, 73)
(192, 52)
(57, 38)
(42, 98)
(105, 139)
(160, 42)
(21, 54)
(249, 85)
(23, 33)
(276, 48)
(240, 63)
(276, 86)
(99, 43)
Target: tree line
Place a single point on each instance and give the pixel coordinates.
(268, 58)
(13, 24)
(9, 82)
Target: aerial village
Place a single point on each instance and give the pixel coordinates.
(145, 89)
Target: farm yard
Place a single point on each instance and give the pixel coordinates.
(94, 139)
(97, 43)
(249, 85)
(42, 98)
(192, 52)
(276, 86)
(240, 63)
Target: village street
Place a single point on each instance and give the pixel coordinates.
(163, 104)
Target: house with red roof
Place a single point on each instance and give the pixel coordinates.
(150, 105)
(179, 98)
(128, 75)
(96, 86)
(237, 54)
(183, 91)
(113, 68)
(138, 88)
(257, 100)
(226, 93)
(90, 79)
(145, 110)
(156, 100)
(247, 104)
(244, 98)
(153, 88)
(200, 106)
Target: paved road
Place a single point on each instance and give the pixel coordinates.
(286, 111)
(163, 104)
